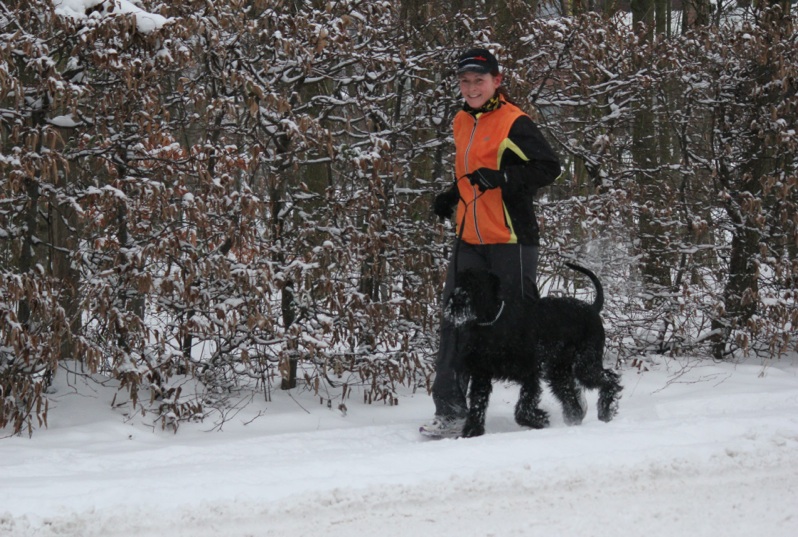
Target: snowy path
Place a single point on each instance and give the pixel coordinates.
(710, 451)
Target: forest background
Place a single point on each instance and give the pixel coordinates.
(207, 198)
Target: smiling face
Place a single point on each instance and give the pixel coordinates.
(477, 88)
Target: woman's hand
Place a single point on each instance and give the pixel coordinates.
(487, 179)
(445, 203)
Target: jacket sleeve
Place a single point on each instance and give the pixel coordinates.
(528, 159)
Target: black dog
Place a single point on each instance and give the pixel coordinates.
(559, 340)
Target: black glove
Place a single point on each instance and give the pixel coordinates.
(486, 179)
(445, 203)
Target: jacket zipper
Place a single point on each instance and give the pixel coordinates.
(473, 187)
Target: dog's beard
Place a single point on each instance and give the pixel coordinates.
(458, 309)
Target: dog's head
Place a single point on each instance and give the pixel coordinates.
(458, 310)
(475, 298)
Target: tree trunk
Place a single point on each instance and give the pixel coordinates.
(288, 366)
(746, 206)
(26, 257)
(655, 265)
(695, 14)
(63, 223)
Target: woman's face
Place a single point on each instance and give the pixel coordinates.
(477, 88)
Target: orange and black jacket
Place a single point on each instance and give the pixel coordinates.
(500, 136)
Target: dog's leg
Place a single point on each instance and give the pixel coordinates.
(609, 395)
(527, 413)
(478, 397)
(592, 375)
(561, 379)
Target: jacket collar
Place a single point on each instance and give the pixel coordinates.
(492, 104)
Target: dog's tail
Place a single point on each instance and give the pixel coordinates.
(598, 303)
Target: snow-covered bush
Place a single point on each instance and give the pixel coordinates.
(235, 196)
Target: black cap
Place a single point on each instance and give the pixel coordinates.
(478, 60)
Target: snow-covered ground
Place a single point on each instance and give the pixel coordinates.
(698, 449)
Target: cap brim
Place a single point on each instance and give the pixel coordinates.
(473, 69)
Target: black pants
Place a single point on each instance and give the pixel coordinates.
(516, 266)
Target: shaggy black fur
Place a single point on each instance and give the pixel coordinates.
(559, 340)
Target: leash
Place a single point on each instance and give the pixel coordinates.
(459, 237)
(456, 253)
(501, 309)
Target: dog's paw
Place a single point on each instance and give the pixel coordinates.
(574, 414)
(608, 408)
(536, 418)
(608, 402)
(471, 429)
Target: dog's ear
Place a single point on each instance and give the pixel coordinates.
(495, 283)
(466, 278)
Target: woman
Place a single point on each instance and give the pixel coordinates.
(501, 160)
